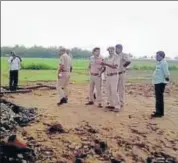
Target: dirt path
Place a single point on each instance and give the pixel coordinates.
(131, 127)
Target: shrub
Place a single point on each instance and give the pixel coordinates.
(35, 66)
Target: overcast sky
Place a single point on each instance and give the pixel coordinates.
(142, 27)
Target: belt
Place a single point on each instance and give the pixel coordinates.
(94, 74)
(65, 71)
(121, 72)
(112, 74)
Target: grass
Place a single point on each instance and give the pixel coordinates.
(45, 70)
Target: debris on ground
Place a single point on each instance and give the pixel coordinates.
(13, 115)
(160, 158)
(55, 128)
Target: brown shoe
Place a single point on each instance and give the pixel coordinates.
(90, 103)
(100, 106)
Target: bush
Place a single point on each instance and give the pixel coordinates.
(136, 67)
(35, 66)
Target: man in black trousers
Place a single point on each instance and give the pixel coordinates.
(14, 64)
(160, 79)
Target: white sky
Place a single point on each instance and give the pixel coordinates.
(142, 27)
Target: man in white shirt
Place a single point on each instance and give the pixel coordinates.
(161, 77)
(14, 64)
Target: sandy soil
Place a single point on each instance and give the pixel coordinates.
(130, 134)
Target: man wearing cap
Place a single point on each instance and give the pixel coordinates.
(160, 79)
(125, 61)
(112, 64)
(63, 76)
(14, 63)
(96, 69)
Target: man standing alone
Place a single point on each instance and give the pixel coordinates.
(14, 63)
(124, 60)
(63, 76)
(160, 79)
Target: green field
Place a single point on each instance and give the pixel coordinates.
(45, 70)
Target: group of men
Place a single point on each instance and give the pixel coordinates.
(114, 68)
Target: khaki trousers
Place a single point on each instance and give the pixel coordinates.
(62, 84)
(121, 88)
(112, 93)
(95, 82)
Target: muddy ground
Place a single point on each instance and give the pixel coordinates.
(131, 135)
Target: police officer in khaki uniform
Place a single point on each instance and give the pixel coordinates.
(124, 62)
(112, 65)
(96, 69)
(63, 76)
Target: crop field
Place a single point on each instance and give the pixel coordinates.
(38, 69)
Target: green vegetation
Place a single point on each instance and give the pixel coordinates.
(42, 52)
(43, 69)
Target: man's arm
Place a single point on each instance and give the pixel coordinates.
(19, 58)
(127, 60)
(103, 69)
(111, 66)
(10, 60)
(61, 66)
(165, 70)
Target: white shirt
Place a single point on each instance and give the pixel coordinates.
(14, 63)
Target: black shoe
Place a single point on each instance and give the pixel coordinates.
(109, 107)
(89, 103)
(100, 106)
(63, 101)
(156, 115)
(66, 100)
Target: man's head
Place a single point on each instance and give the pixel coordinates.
(13, 54)
(62, 50)
(160, 55)
(111, 50)
(96, 51)
(67, 51)
(119, 48)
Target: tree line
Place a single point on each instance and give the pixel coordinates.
(50, 52)
(42, 52)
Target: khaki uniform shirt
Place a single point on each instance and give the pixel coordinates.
(114, 60)
(66, 61)
(95, 66)
(123, 58)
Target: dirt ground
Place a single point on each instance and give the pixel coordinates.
(130, 134)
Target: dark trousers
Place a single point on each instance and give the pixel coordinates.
(13, 83)
(159, 94)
